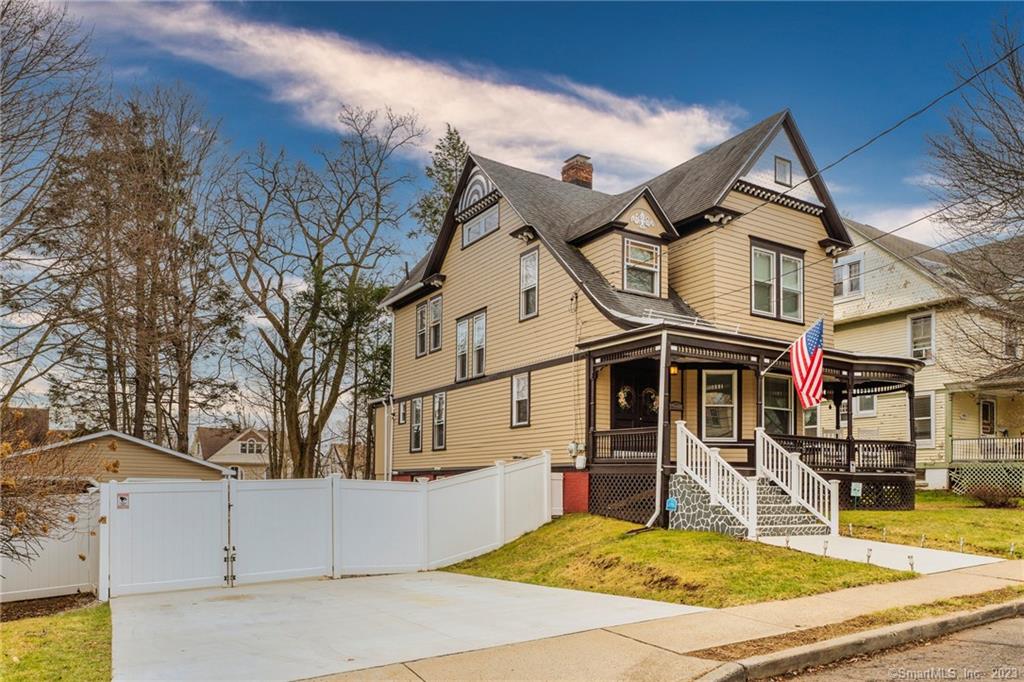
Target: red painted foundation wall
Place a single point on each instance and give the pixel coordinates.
(575, 492)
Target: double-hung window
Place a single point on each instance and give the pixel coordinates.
(480, 226)
(863, 406)
(435, 308)
(421, 329)
(922, 337)
(528, 277)
(401, 412)
(719, 423)
(846, 278)
(778, 405)
(479, 343)
(641, 268)
(470, 346)
(924, 424)
(440, 419)
(521, 399)
(416, 425)
(776, 282)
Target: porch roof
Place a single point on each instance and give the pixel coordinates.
(1007, 381)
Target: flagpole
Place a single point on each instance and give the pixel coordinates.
(764, 371)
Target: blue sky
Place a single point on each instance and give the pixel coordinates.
(639, 87)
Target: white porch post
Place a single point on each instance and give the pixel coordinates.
(834, 503)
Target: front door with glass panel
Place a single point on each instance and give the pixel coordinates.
(635, 394)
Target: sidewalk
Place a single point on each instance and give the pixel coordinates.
(655, 650)
(899, 557)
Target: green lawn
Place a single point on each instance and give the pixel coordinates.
(944, 518)
(593, 553)
(74, 645)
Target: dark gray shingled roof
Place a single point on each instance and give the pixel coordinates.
(561, 212)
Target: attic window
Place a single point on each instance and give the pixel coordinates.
(783, 171)
(480, 226)
(642, 267)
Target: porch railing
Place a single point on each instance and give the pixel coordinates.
(988, 450)
(799, 481)
(837, 454)
(626, 445)
(726, 486)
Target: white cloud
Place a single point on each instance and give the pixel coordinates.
(888, 218)
(630, 139)
(925, 180)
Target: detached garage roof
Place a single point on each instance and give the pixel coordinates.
(142, 458)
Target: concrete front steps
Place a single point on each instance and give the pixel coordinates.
(776, 515)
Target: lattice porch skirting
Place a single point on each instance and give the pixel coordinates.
(963, 478)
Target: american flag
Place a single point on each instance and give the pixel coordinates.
(805, 357)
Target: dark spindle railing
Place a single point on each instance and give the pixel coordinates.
(836, 454)
(626, 445)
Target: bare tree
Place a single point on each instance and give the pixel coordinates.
(47, 84)
(979, 165)
(302, 244)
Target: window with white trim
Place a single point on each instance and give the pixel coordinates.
(924, 420)
(641, 268)
(783, 171)
(401, 412)
(461, 350)
(416, 425)
(846, 277)
(479, 343)
(480, 226)
(863, 406)
(237, 471)
(251, 447)
(719, 389)
(792, 270)
(528, 277)
(435, 309)
(922, 337)
(811, 420)
(778, 405)
(763, 274)
(521, 399)
(440, 418)
(421, 329)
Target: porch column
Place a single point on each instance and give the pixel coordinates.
(666, 435)
(758, 380)
(591, 406)
(850, 450)
(909, 388)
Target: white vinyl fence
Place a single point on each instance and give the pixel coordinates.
(66, 565)
(179, 535)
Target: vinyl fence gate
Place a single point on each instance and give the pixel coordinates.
(172, 535)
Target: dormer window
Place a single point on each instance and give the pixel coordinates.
(480, 226)
(641, 270)
(783, 171)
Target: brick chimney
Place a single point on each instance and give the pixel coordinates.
(579, 171)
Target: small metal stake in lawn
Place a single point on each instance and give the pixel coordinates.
(851, 530)
(869, 555)
(911, 557)
(961, 544)
(922, 539)
(1013, 547)
(824, 548)
(885, 532)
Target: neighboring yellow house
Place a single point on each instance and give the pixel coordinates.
(966, 409)
(535, 322)
(115, 456)
(245, 451)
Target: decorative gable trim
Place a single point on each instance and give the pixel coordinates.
(478, 207)
(774, 197)
(478, 187)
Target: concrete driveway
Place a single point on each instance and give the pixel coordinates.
(299, 629)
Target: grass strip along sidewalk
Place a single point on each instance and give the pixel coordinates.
(73, 645)
(902, 614)
(596, 554)
(943, 518)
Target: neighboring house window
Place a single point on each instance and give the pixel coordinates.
(783, 171)
(250, 447)
(421, 329)
(237, 471)
(416, 426)
(480, 226)
(641, 267)
(401, 412)
(440, 410)
(435, 323)
(778, 405)
(863, 406)
(846, 278)
(770, 264)
(521, 399)
(988, 417)
(719, 405)
(528, 271)
(479, 343)
(1011, 340)
(922, 337)
(810, 418)
(924, 422)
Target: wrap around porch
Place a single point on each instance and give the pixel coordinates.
(716, 388)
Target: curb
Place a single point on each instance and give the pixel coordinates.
(857, 644)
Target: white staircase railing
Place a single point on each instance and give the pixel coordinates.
(718, 478)
(803, 485)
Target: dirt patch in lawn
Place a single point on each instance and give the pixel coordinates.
(31, 608)
(870, 621)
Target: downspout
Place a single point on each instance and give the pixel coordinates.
(662, 406)
(389, 443)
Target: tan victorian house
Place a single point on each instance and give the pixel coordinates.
(552, 316)
(244, 451)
